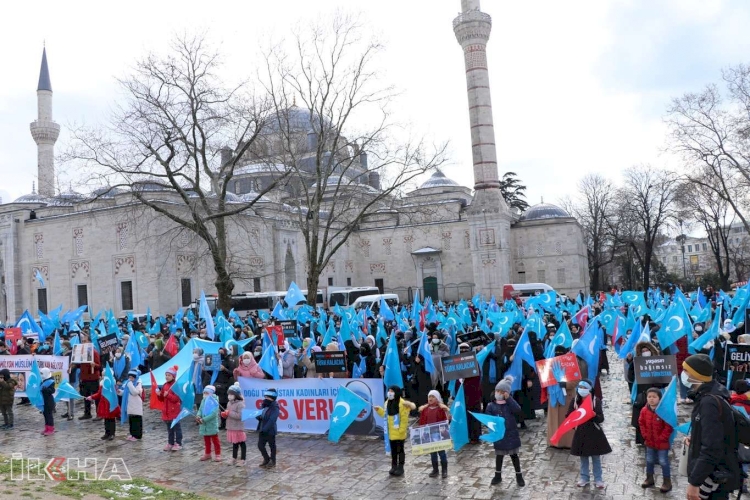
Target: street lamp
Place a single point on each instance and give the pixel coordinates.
(681, 239)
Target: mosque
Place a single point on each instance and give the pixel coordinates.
(442, 239)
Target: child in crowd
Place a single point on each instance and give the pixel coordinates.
(104, 412)
(135, 405)
(235, 427)
(267, 428)
(7, 393)
(656, 434)
(208, 418)
(505, 406)
(170, 410)
(48, 396)
(397, 409)
(432, 413)
(589, 440)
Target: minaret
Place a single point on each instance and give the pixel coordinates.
(45, 132)
(488, 215)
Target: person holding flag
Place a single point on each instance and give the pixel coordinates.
(170, 410)
(208, 420)
(267, 429)
(89, 375)
(47, 392)
(589, 440)
(105, 411)
(396, 411)
(506, 407)
(235, 427)
(133, 404)
(656, 436)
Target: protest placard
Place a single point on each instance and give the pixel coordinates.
(276, 332)
(289, 327)
(83, 353)
(460, 366)
(567, 362)
(737, 357)
(107, 343)
(330, 361)
(654, 369)
(430, 438)
(212, 362)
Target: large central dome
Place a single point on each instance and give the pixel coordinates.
(544, 211)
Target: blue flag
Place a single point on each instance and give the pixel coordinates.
(133, 351)
(205, 314)
(392, 364)
(385, 311)
(347, 408)
(66, 391)
(269, 364)
(34, 386)
(278, 311)
(29, 328)
(249, 413)
(184, 412)
(562, 337)
(588, 347)
(209, 405)
(294, 295)
(425, 354)
(712, 333)
(459, 427)
(109, 388)
(667, 407)
(39, 278)
(185, 390)
(72, 316)
(496, 425)
(675, 325)
(57, 346)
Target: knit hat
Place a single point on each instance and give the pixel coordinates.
(45, 373)
(742, 386)
(235, 388)
(505, 384)
(436, 394)
(699, 367)
(209, 389)
(134, 373)
(271, 393)
(172, 371)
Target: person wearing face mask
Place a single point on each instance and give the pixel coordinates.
(397, 410)
(713, 466)
(208, 421)
(120, 365)
(505, 406)
(248, 367)
(589, 440)
(223, 380)
(235, 427)
(642, 349)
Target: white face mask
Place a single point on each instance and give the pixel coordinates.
(391, 395)
(583, 392)
(230, 397)
(118, 355)
(646, 353)
(203, 335)
(246, 361)
(686, 380)
(196, 357)
(436, 341)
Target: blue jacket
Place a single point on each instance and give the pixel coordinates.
(267, 420)
(508, 411)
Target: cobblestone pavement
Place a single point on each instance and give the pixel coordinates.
(311, 467)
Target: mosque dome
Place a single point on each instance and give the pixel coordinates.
(299, 119)
(32, 198)
(544, 211)
(438, 179)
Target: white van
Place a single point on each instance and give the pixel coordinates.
(524, 291)
(373, 301)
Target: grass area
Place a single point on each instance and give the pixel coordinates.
(136, 489)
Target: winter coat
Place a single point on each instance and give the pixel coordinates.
(91, 372)
(135, 397)
(472, 391)
(655, 431)
(433, 415)
(267, 419)
(234, 415)
(404, 407)
(439, 352)
(102, 408)
(121, 375)
(210, 423)
(48, 394)
(250, 371)
(508, 410)
(7, 391)
(172, 402)
(714, 450)
(288, 360)
(589, 439)
(310, 365)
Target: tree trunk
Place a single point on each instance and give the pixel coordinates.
(224, 282)
(313, 276)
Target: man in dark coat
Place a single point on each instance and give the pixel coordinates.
(713, 464)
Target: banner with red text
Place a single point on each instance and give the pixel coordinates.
(20, 366)
(306, 404)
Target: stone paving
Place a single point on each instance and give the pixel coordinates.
(309, 467)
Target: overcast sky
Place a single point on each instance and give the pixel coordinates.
(577, 87)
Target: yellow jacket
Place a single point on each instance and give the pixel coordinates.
(404, 407)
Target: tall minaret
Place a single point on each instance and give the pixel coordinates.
(488, 215)
(45, 132)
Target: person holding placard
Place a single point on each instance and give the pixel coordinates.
(432, 413)
(643, 349)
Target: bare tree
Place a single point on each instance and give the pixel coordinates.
(338, 181)
(647, 202)
(596, 212)
(175, 142)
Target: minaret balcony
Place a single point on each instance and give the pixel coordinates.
(44, 131)
(472, 27)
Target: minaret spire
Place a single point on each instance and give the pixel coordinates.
(45, 131)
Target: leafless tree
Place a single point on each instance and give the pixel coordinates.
(174, 142)
(323, 85)
(647, 203)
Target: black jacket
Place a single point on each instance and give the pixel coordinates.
(715, 450)
(588, 438)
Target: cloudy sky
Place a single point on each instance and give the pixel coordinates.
(577, 87)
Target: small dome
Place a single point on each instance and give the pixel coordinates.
(544, 211)
(32, 198)
(106, 192)
(438, 179)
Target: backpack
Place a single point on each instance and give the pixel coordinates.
(741, 428)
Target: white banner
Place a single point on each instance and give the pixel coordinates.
(20, 366)
(306, 404)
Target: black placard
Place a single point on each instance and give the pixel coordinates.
(460, 366)
(747, 320)
(475, 339)
(330, 361)
(107, 343)
(290, 327)
(654, 369)
(737, 357)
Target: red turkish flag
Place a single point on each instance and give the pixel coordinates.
(153, 401)
(171, 346)
(581, 415)
(422, 316)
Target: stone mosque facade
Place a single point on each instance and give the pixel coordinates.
(442, 238)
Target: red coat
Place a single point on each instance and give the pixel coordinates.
(740, 400)
(682, 355)
(432, 415)
(91, 371)
(172, 402)
(655, 431)
(102, 408)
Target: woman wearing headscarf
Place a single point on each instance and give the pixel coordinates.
(558, 402)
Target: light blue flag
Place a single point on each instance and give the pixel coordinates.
(523, 350)
(588, 347)
(347, 408)
(72, 316)
(66, 391)
(269, 364)
(712, 333)
(294, 295)
(684, 428)
(667, 407)
(392, 364)
(185, 390)
(205, 314)
(425, 354)
(248, 413)
(278, 311)
(496, 425)
(210, 404)
(34, 386)
(183, 413)
(133, 351)
(57, 346)
(39, 278)
(29, 327)
(562, 337)
(459, 427)
(675, 325)
(385, 311)
(109, 388)
(264, 315)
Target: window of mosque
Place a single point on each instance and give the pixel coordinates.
(558, 248)
(561, 276)
(540, 275)
(41, 294)
(540, 249)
